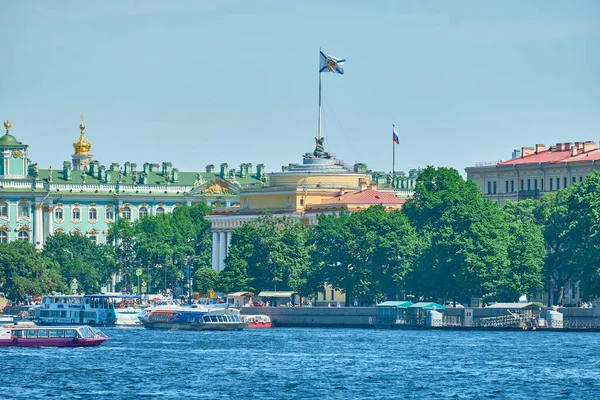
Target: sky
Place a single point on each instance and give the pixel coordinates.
(207, 82)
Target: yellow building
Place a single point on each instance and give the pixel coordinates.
(321, 184)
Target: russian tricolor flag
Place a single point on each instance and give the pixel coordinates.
(395, 136)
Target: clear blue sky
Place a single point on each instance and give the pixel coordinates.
(206, 82)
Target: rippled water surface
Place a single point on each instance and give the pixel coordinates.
(295, 363)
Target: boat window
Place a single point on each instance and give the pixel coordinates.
(32, 333)
(219, 319)
(43, 333)
(19, 333)
(237, 318)
(70, 333)
(56, 333)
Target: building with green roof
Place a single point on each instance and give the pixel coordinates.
(84, 196)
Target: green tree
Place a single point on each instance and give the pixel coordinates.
(24, 272)
(526, 251)
(267, 253)
(465, 238)
(79, 258)
(572, 233)
(205, 279)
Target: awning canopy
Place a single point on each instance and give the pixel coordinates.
(423, 305)
(239, 294)
(397, 304)
(276, 294)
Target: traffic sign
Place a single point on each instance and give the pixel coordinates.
(144, 289)
(134, 289)
(138, 272)
(143, 283)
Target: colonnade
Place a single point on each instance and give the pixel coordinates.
(221, 241)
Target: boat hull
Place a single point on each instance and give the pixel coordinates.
(259, 325)
(52, 342)
(229, 326)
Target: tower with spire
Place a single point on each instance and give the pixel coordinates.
(82, 157)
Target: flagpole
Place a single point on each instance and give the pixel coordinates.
(319, 131)
(393, 155)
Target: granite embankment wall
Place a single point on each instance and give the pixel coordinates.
(331, 317)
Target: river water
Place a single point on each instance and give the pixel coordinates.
(303, 363)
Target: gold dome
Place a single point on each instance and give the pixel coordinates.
(82, 146)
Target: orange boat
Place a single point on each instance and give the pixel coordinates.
(257, 321)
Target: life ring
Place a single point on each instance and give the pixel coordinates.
(122, 305)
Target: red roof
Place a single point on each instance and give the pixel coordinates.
(548, 156)
(367, 196)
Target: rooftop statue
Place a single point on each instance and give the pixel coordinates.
(50, 174)
(36, 171)
(199, 181)
(319, 150)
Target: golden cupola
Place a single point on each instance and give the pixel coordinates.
(82, 146)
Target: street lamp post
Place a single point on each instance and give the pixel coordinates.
(189, 279)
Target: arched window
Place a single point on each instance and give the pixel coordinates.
(76, 213)
(3, 209)
(58, 213)
(110, 213)
(143, 211)
(3, 237)
(23, 235)
(23, 209)
(126, 213)
(160, 210)
(93, 236)
(93, 214)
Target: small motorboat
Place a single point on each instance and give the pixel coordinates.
(257, 321)
(27, 334)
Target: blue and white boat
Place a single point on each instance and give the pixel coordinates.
(193, 318)
(89, 309)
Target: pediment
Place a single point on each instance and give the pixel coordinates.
(217, 187)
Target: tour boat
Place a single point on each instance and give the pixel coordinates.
(257, 321)
(92, 309)
(193, 318)
(30, 335)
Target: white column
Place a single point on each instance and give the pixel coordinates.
(215, 251)
(50, 230)
(228, 240)
(222, 250)
(37, 225)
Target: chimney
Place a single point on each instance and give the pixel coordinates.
(342, 191)
(175, 177)
(101, 173)
(526, 151)
(373, 186)
(567, 146)
(210, 168)
(133, 167)
(146, 168)
(114, 166)
(167, 167)
(559, 147)
(363, 184)
(579, 145)
(260, 169)
(224, 170)
(127, 169)
(243, 170)
(539, 148)
(589, 146)
(573, 151)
